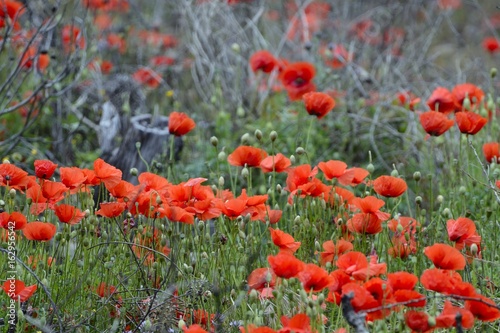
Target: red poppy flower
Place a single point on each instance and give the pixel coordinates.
(284, 241)
(365, 223)
(486, 310)
(16, 289)
(418, 321)
(180, 124)
(332, 250)
(445, 256)
(335, 169)
(263, 61)
(363, 299)
(470, 122)
(351, 262)
(389, 186)
(117, 42)
(408, 224)
(439, 280)
(246, 155)
(448, 317)
(300, 323)
(39, 231)
(161, 61)
(111, 209)
(402, 280)
(297, 79)
(148, 77)
(408, 99)
(44, 168)
(435, 123)
(91, 178)
(411, 297)
(491, 152)
(42, 60)
(243, 205)
(107, 173)
(277, 163)
(53, 191)
(370, 205)
(336, 56)
(314, 278)
(314, 188)
(318, 104)
(14, 220)
(68, 214)
(261, 278)
(13, 176)
(299, 175)
(491, 44)
(462, 230)
(38, 201)
(195, 328)
(125, 190)
(374, 268)
(11, 8)
(473, 92)
(442, 100)
(72, 177)
(153, 181)
(176, 214)
(285, 265)
(359, 174)
(449, 4)
(104, 290)
(72, 38)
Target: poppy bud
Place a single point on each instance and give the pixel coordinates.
(417, 176)
(370, 168)
(474, 249)
(292, 159)
(273, 136)
(297, 219)
(244, 172)
(181, 324)
(431, 321)
(222, 156)
(446, 212)
(2, 203)
(394, 173)
(493, 72)
(134, 171)
(138, 145)
(245, 139)
(236, 47)
(300, 151)
(418, 200)
(462, 190)
(440, 199)
(279, 188)
(214, 141)
(466, 103)
(12, 193)
(240, 112)
(254, 294)
(258, 134)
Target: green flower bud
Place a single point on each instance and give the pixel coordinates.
(273, 136)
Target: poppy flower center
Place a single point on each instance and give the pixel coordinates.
(299, 82)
